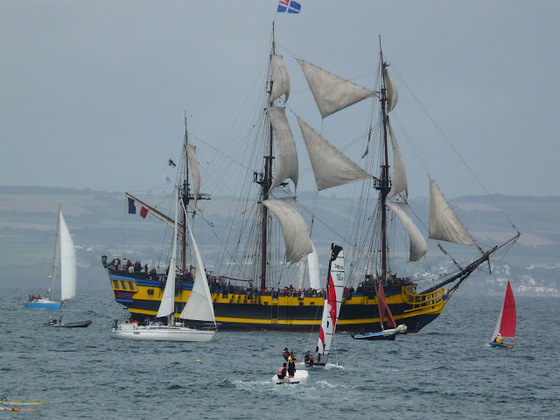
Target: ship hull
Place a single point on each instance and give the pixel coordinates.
(244, 311)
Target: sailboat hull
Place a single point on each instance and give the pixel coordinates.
(43, 304)
(243, 311)
(299, 377)
(161, 333)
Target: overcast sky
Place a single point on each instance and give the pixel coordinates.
(93, 93)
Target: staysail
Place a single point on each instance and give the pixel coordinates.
(444, 222)
(330, 166)
(508, 316)
(332, 93)
(418, 246)
(333, 301)
(296, 235)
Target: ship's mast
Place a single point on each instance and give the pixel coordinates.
(383, 184)
(265, 181)
(185, 196)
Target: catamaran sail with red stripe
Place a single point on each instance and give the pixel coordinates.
(331, 312)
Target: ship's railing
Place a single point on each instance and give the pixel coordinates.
(423, 300)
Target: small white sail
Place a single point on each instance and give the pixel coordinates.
(167, 304)
(199, 306)
(301, 267)
(332, 93)
(392, 92)
(296, 235)
(280, 79)
(333, 301)
(313, 261)
(399, 181)
(287, 158)
(67, 261)
(330, 166)
(312, 265)
(444, 222)
(418, 246)
(195, 171)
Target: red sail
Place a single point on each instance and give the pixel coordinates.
(509, 314)
(384, 307)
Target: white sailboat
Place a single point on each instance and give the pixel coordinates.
(198, 308)
(64, 268)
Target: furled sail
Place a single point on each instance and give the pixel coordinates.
(330, 166)
(444, 222)
(287, 159)
(296, 235)
(392, 92)
(67, 261)
(167, 304)
(199, 306)
(399, 181)
(280, 79)
(195, 171)
(418, 246)
(332, 93)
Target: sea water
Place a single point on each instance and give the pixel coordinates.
(446, 371)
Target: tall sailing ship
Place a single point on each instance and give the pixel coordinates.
(256, 290)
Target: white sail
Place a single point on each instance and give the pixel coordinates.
(56, 258)
(333, 301)
(280, 79)
(195, 171)
(296, 235)
(392, 93)
(287, 159)
(301, 267)
(167, 304)
(313, 264)
(444, 222)
(418, 246)
(330, 166)
(67, 261)
(199, 306)
(332, 93)
(399, 182)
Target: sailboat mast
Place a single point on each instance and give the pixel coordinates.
(185, 195)
(383, 183)
(266, 182)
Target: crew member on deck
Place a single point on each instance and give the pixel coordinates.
(498, 339)
(291, 367)
(281, 372)
(309, 358)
